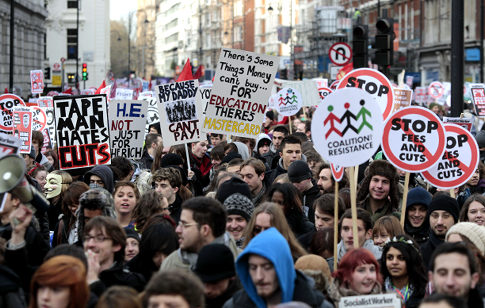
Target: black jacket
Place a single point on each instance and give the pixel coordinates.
(309, 197)
(146, 161)
(219, 301)
(176, 208)
(428, 247)
(304, 292)
(11, 294)
(118, 274)
(272, 174)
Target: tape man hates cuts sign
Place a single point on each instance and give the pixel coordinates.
(459, 161)
(413, 139)
(239, 96)
(373, 82)
(349, 127)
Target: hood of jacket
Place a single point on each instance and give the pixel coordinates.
(271, 245)
(105, 173)
(368, 244)
(242, 149)
(261, 137)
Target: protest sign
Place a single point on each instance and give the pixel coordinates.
(145, 94)
(402, 99)
(82, 134)
(152, 112)
(22, 127)
(321, 82)
(9, 145)
(7, 102)
(466, 123)
(45, 101)
(307, 88)
(436, 90)
(32, 102)
(421, 95)
(39, 118)
(127, 127)
(107, 92)
(36, 81)
(203, 96)
(179, 112)
(47, 140)
(124, 94)
(413, 139)
(324, 92)
(337, 172)
(459, 161)
(50, 125)
(347, 127)
(239, 96)
(390, 300)
(288, 101)
(373, 82)
(478, 98)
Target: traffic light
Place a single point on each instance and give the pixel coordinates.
(85, 71)
(71, 78)
(360, 46)
(47, 73)
(384, 41)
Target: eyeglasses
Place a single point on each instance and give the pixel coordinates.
(97, 238)
(258, 229)
(185, 225)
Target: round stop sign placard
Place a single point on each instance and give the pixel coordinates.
(413, 139)
(337, 172)
(323, 92)
(7, 102)
(459, 161)
(347, 127)
(373, 82)
(39, 118)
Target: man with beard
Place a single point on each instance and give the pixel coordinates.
(442, 214)
(454, 272)
(202, 222)
(326, 182)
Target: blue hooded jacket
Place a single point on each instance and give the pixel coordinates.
(271, 245)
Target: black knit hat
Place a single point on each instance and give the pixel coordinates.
(232, 186)
(418, 195)
(444, 203)
(130, 233)
(214, 263)
(299, 171)
(171, 159)
(237, 204)
(230, 156)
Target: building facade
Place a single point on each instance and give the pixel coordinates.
(29, 43)
(93, 35)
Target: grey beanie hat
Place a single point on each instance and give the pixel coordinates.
(239, 204)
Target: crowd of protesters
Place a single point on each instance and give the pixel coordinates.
(241, 223)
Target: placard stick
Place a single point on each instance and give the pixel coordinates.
(187, 154)
(452, 193)
(335, 226)
(404, 198)
(289, 124)
(353, 205)
(356, 176)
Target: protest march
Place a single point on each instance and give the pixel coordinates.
(246, 190)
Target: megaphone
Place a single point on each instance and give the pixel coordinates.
(12, 179)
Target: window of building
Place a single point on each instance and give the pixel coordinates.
(72, 4)
(72, 43)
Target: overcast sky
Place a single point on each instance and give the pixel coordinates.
(118, 9)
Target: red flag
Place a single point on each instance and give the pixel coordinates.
(6, 90)
(186, 73)
(103, 85)
(344, 70)
(68, 91)
(200, 72)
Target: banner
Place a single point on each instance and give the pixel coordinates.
(7, 102)
(390, 300)
(82, 134)
(127, 127)
(179, 112)
(478, 98)
(50, 125)
(464, 122)
(239, 96)
(36, 81)
(22, 127)
(124, 94)
(402, 99)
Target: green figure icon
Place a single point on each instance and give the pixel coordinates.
(363, 113)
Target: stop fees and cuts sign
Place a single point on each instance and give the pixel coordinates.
(459, 161)
(413, 139)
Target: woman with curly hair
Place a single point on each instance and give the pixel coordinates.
(60, 282)
(403, 270)
(357, 274)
